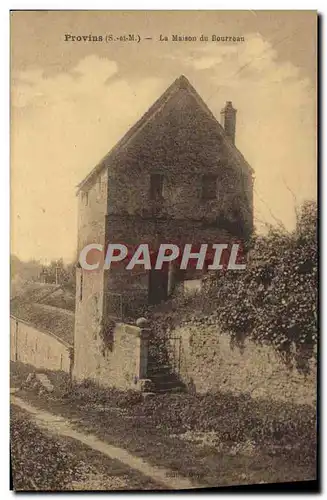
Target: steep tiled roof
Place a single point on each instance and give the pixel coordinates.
(181, 83)
(56, 321)
(27, 306)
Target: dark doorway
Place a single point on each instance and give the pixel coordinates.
(158, 285)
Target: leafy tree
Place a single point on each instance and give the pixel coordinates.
(274, 301)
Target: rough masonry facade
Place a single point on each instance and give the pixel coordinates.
(175, 177)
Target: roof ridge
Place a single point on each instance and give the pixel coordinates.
(179, 83)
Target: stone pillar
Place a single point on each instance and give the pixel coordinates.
(171, 278)
(16, 340)
(144, 348)
(143, 383)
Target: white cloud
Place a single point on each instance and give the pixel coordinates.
(63, 124)
(61, 127)
(87, 77)
(275, 121)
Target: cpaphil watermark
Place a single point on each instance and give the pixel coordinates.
(211, 257)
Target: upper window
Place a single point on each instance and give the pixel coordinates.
(156, 186)
(209, 187)
(85, 197)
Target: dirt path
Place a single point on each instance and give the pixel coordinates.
(42, 461)
(58, 425)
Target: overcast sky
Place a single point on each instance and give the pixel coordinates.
(72, 101)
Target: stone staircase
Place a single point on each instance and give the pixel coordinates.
(163, 378)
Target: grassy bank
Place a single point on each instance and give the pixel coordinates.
(44, 462)
(220, 439)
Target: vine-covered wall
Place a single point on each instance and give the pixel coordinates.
(210, 362)
(183, 141)
(120, 365)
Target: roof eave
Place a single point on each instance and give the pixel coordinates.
(179, 83)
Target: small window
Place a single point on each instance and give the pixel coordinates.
(156, 186)
(85, 197)
(209, 187)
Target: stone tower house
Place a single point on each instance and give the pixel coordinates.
(176, 177)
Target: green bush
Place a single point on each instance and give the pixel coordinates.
(273, 301)
(235, 418)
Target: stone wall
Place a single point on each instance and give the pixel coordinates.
(38, 348)
(183, 142)
(92, 209)
(122, 366)
(208, 362)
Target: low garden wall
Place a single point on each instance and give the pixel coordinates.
(123, 365)
(41, 349)
(207, 361)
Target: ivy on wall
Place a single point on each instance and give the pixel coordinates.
(106, 334)
(274, 301)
